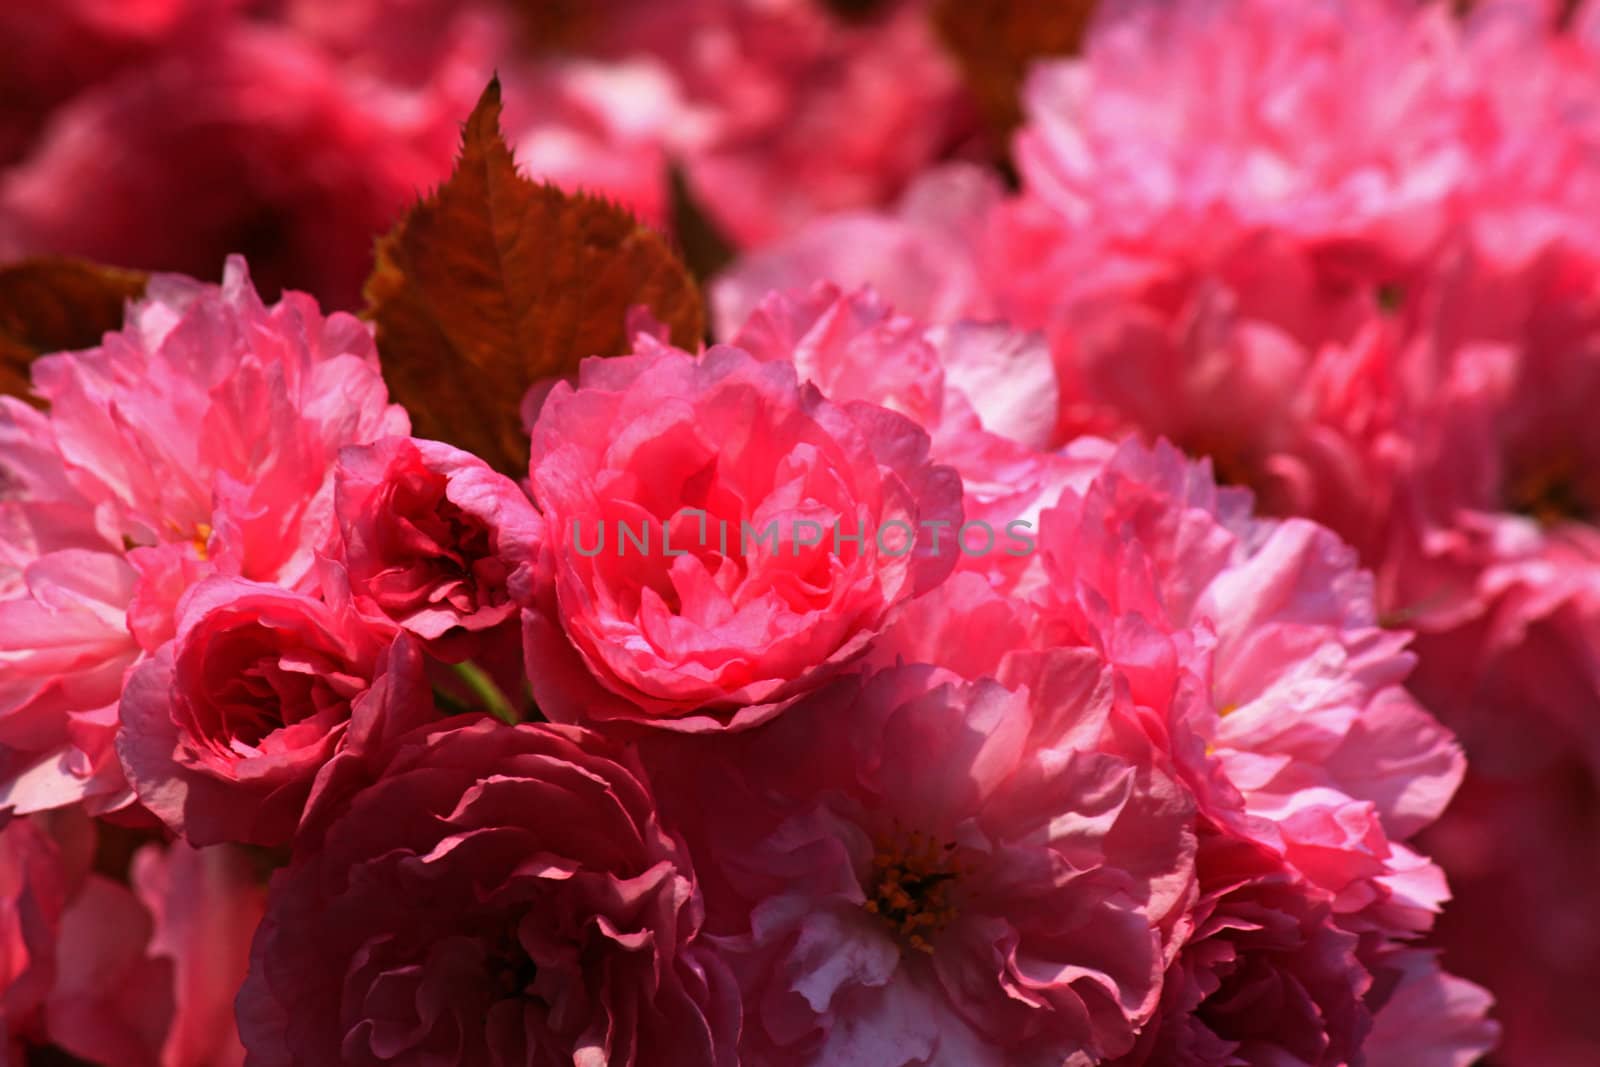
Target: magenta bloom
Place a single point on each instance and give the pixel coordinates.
(1257, 642)
(198, 440)
(1496, 566)
(917, 869)
(225, 729)
(143, 977)
(1266, 976)
(248, 139)
(502, 895)
(425, 528)
(1250, 655)
(1183, 125)
(718, 484)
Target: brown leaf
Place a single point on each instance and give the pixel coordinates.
(495, 281)
(995, 42)
(54, 304)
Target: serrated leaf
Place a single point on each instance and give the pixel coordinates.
(996, 41)
(55, 304)
(496, 281)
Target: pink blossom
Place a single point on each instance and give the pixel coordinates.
(425, 531)
(807, 112)
(110, 975)
(207, 428)
(205, 905)
(1260, 640)
(1185, 125)
(66, 648)
(58, 52)
(200, 439)
(734, 629)
(224, 731)
(1251, 655)
(501, 895)
(252, 141)
(917, 869)
(1266, 976)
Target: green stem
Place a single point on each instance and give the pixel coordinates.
(489, 694)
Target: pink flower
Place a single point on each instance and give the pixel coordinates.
(208, 427)
(108, 975)
(225, 730)
(66, 648)
(198, 440)
(425, 529)
(1496, 565)
(1185, 125)
(1266, 976)
(1252, 657)
(501, 895)
(68, 49)
(249, 140)
(799, 111)
(1256, 643)
(732, 463)
(916, 869)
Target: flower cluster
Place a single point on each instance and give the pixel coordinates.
(1347, 251)
(806, 800)
(1119, 588)
(166, 134)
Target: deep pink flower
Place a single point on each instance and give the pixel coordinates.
(251, 140)
(798, 111)
(917, 869)
(1183, 125)
(1266, 975)
(143, 978)
(501, 895)
(200, 439)
(226, 728)
(737, 475)
(424, 528)
(1258, 644)
(58, 52)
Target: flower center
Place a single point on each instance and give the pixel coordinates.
(511, 971)
(910, 887)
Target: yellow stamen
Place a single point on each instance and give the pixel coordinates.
(911, 883)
